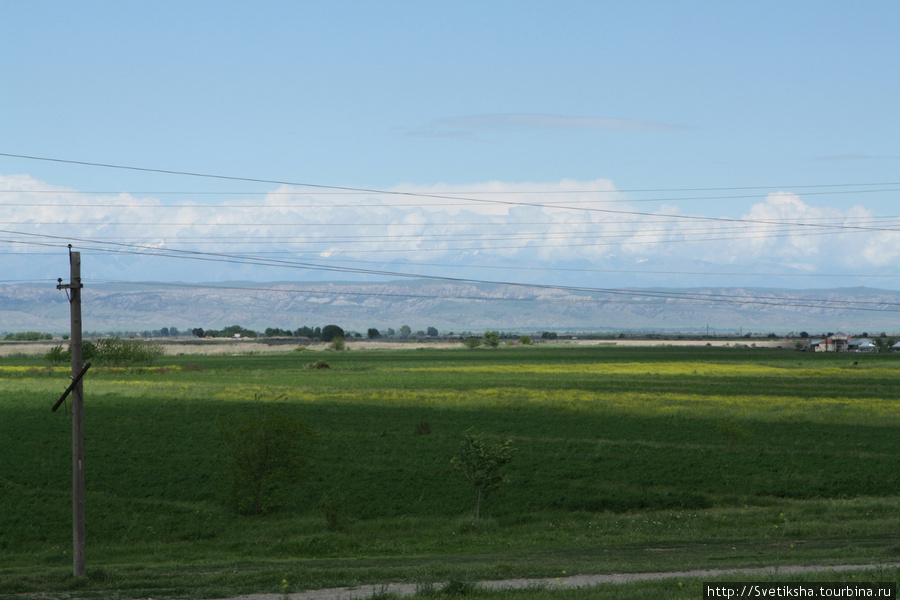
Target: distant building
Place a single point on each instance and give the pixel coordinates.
(865, 345)
(841, 342)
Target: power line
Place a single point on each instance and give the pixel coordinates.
(719, 226)
(422, 194)
(411, 194)
(689, 298)
(306, 265)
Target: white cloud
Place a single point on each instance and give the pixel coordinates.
(527, 224)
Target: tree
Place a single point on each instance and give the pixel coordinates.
(472, 342)
(57, 355)
(492, 339)
(405, 331)
(548, 335)
(329, 332)
(373, 333)
(266, 451)
(197, 331)
(482, 462)
(432, 332)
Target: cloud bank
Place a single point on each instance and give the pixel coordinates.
(572, 232)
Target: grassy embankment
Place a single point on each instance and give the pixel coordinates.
(629, 459)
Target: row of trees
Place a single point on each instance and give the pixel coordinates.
(27, 336)
(325, 334)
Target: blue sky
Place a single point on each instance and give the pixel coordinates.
(590, 143)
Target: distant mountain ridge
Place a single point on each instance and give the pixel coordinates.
(451, 307)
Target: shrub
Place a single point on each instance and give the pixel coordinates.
(118, 352)
(472, 342)
(338, 344)
(265, 452)
(525, 340)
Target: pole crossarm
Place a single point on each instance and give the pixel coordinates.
(71, 387)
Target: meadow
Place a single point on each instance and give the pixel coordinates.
(627, 460)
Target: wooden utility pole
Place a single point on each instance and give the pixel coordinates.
(74, 293)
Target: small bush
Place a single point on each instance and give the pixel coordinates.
(472, 342)
(319, 364)
(338, 344)
(422, 428)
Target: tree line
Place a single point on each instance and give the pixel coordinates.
(324, 334)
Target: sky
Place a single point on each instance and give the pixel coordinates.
(581, 143)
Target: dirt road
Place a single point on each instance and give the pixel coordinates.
(574, 581)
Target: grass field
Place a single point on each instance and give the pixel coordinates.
(628, 460)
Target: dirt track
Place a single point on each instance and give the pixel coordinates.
(575, 581)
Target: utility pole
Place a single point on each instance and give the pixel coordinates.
(74, 293)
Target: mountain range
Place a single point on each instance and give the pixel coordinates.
(451, 306)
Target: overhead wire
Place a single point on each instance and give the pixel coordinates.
(668, 294)
(107, 244)
(692, 299)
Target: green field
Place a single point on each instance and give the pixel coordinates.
(628, 460)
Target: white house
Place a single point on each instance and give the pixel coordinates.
(864, 345)
(839, 342)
